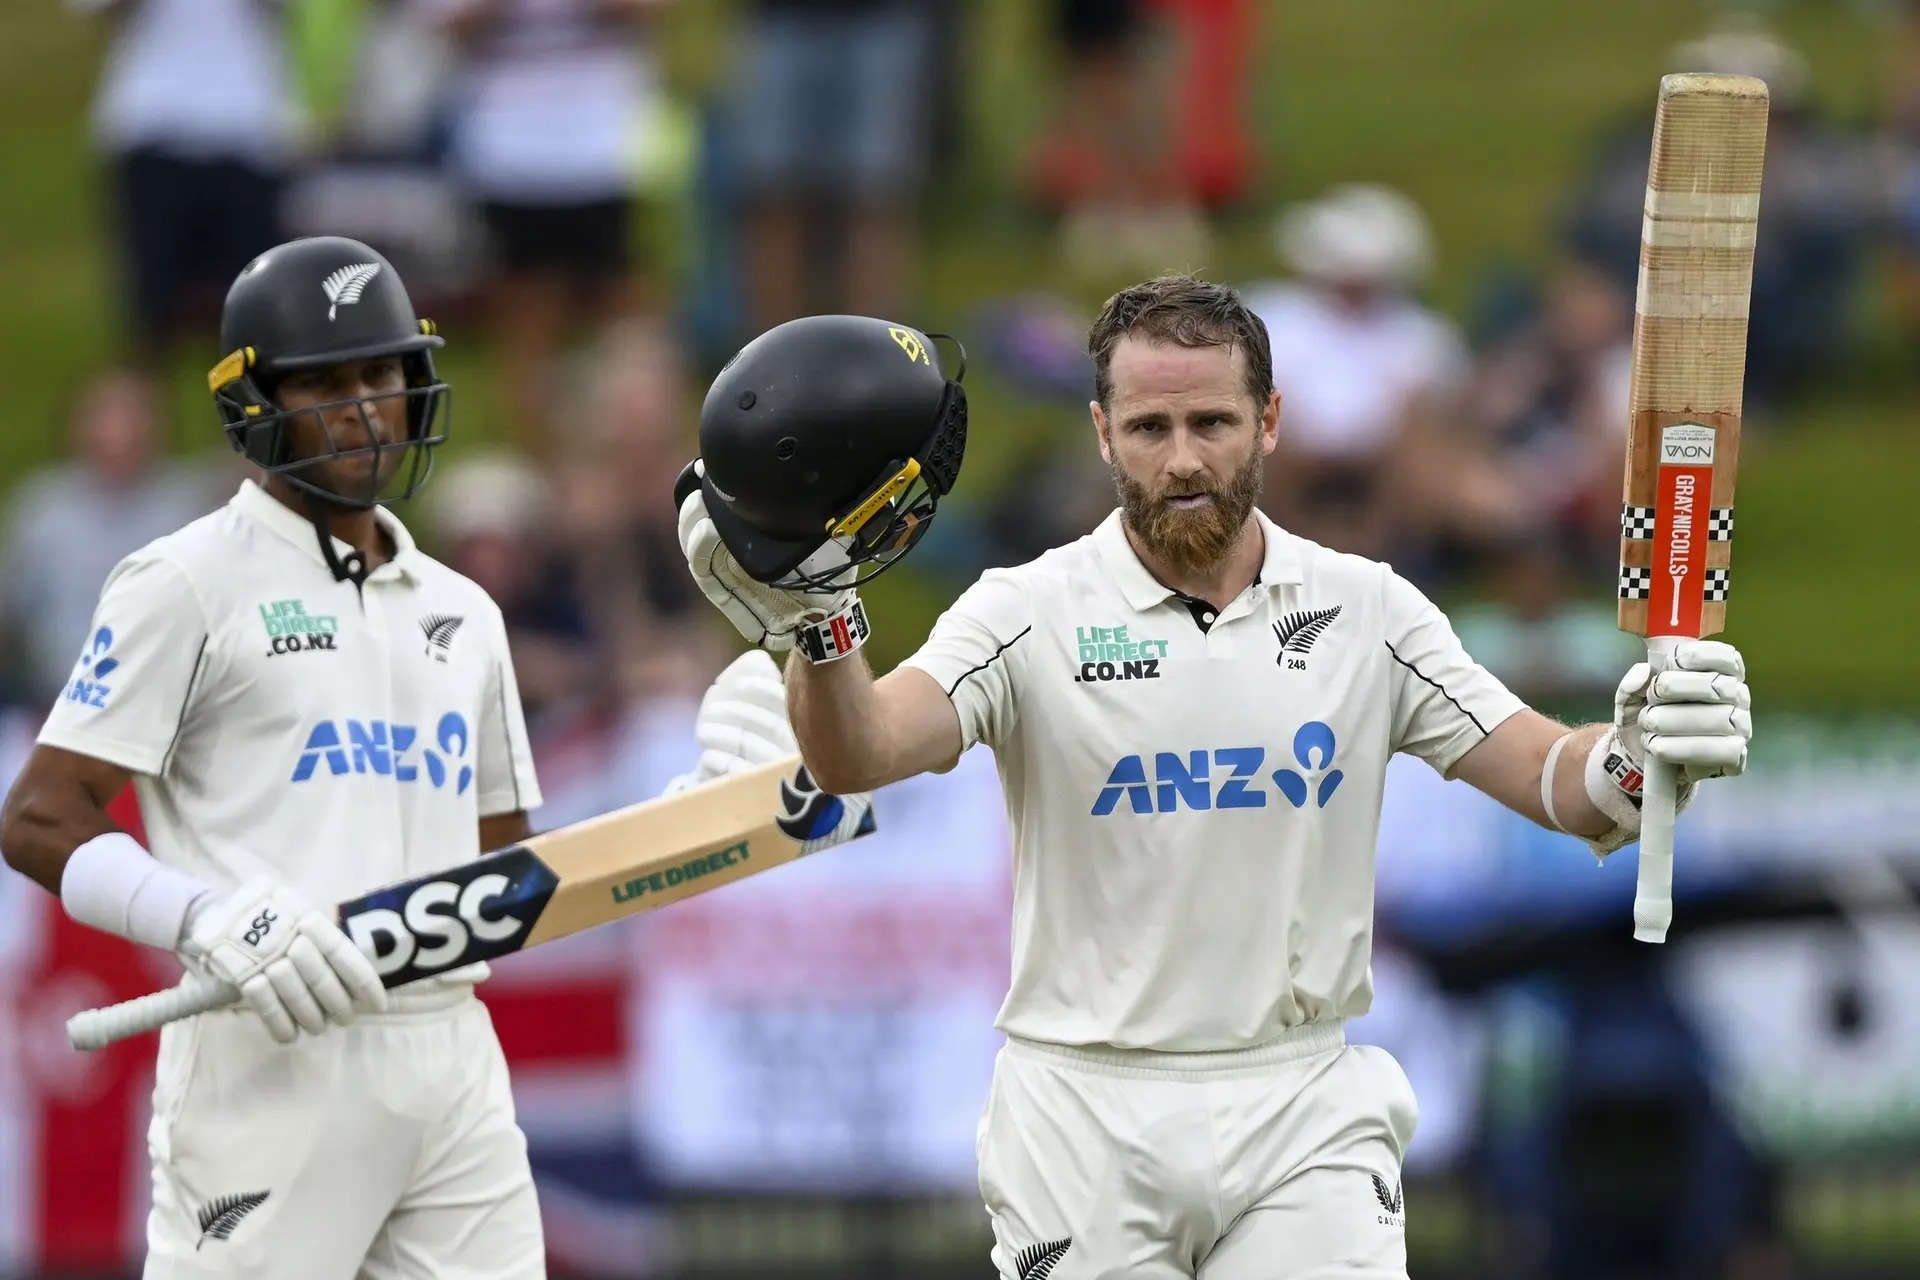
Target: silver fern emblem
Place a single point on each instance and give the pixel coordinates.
(1037, 1261)
(344, 286)
(439, 628)
(218, 1219)
(1298, 631)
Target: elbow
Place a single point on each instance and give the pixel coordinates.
(18, 822)
(841, 778)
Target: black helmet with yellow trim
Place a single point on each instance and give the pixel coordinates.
(308, 305)
(827, 442)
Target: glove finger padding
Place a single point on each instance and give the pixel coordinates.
(1701, 757)
(743, 718)
(713, 566)
(749, 731)
(322, 982)
(1709, 655)
(351, 968)
(1697, 719)
(291, 987)
(265, 1001)
(766, 616)
(1699, 686)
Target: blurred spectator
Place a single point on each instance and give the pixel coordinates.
(1817, 204)
(492, 518)
(375, 77)
(1550, 391)
(627, 433)
(1108, 163)
(834, 118)
(550, 97)
(1370, 380)
(1902, 166)
(71, 523)
(193, 117)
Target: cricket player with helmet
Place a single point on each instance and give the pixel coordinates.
(1192, 711)
(309, 707)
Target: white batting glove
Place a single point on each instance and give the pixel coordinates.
(1696, 716)
(767, 617)
(743, 718)
(288, 960)
(742, 722)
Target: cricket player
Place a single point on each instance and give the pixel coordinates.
(309, 707)
(1192, 711)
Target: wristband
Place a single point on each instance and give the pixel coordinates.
(113, 884)
(1547, 772)
(836, 635)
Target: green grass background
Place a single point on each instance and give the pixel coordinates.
(1483, 110)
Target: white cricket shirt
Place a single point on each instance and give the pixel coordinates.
(1194, 798)
(280, 722)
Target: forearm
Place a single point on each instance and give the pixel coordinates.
(1571, 804)
(1510, 765)
(42, 826)
(836, 718)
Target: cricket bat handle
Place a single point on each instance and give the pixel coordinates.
(98, 1028)
(1653, 893)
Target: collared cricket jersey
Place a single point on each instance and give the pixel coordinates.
(1195, 796)
(281, 722)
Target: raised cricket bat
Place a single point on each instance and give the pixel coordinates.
(559, 882)
(1683, 432)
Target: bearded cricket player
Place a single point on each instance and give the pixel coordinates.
(1192, 711)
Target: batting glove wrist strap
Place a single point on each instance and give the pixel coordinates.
(836, 635)
(1614, 783)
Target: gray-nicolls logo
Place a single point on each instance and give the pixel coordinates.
(220, 1217)
(1296, 633)
(1392, 1199)
(343, 287)
(1037, 1261)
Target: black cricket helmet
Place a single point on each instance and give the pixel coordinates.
(825, 444)
(313, 303)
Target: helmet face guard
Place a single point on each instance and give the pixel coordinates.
(865, 537)
(259, 428)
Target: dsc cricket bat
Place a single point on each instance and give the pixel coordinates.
(1683, 431)
(559, 882)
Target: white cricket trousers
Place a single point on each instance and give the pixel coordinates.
(385, 1150)
(1280, 1162)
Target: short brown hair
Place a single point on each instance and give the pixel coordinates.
(1186, 312)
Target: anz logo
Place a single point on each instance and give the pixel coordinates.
(1224, 778)
(89, 684)
(389, 750)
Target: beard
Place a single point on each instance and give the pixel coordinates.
(1197, 539)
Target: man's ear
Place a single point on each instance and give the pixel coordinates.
(1100, 430)
(1270, 424)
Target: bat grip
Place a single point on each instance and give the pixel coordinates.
(1653, 891)
(98, 1028)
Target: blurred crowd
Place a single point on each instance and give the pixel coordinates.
(513, 158)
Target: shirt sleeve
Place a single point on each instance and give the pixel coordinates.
(972, 652)
(1444, 703)
(507, 781)
(135, 680)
